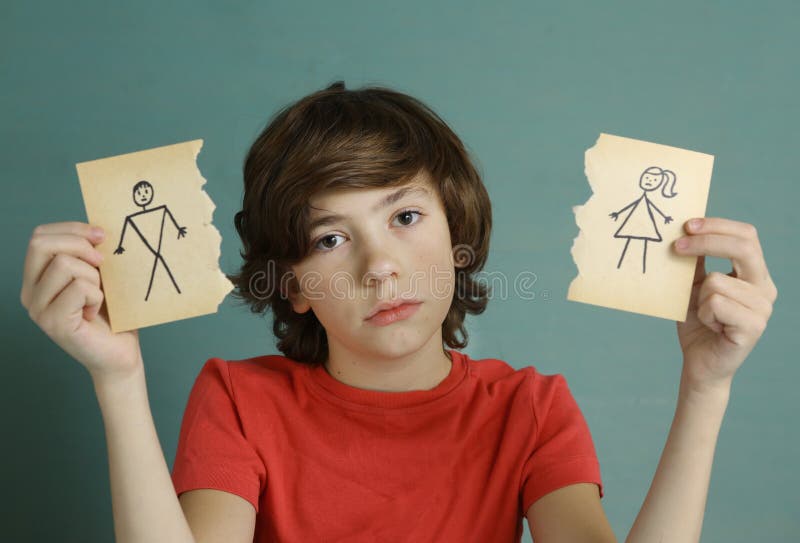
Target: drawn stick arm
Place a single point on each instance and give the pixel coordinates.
(627, 206)
(666, 218)
(172, 218)
(615, 214)
(122, 235)
(181, 229)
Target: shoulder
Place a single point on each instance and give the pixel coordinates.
(538, 384)
(251, 375)
(535, 392)
(267, 364)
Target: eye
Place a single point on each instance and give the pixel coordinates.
(406, 213)
(322, 240)
(321, 245)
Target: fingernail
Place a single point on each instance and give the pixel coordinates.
(682, 243)
(695, 224)
(98, 232)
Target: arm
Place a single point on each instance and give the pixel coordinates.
(144, 504)
(675, 504)
(726, 317)
(219, 516)
(560, 481)
(569, 514)
(674, 507)
(61, 292)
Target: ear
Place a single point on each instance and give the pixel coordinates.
(299, 302)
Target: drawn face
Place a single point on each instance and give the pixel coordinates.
(650, 181)
(374, 254)
(143, 194)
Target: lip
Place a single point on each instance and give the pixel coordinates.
(397, 313)
(384, 306)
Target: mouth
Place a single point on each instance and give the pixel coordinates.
(390, 306)
(394, 314)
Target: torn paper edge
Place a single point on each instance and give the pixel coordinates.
(208, 224)
(580, 238)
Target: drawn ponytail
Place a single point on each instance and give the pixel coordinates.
(668, 188)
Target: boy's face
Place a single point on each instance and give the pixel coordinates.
(376, 253)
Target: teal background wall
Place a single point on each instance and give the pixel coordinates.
(528, 86)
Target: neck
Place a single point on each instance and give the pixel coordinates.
(422, 369)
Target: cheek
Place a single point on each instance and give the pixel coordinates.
(433, 250)
(330, 294)
(434, 271)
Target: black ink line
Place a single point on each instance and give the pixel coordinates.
(650, 180)
(142, 195)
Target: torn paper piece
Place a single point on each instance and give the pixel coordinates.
(643, 193)
(161, 252)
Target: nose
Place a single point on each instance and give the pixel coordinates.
(380, 265)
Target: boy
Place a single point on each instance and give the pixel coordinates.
(363, 224)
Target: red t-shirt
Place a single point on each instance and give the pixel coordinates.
(324, 461)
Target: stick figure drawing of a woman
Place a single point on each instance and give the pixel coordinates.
(640, 223)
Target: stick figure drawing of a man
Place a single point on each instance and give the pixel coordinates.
(640, 223)
(142, 196)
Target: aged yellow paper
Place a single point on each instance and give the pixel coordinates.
(161, 251)
(643, 193)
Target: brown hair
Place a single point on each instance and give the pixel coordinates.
(340, 138)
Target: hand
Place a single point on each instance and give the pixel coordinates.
(181, 231)
(62, 292)
(727, 313)
(614, 215)
(667, 220)
(119, 250)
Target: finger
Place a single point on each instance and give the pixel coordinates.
(61, 271)
(94, 234)
(699, 270)
(743, 230)
(736, 289)
(745, 255)
(91, 311)
(66, 312)
(719, 225)
(43, 247)
(54, 236)
(722, 314)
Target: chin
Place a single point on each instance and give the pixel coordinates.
(395, 346)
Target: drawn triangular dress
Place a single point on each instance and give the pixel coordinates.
(640, 222)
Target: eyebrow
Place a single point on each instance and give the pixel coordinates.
(386, 202)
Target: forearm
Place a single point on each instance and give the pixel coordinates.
(675, 504)
(144, 504)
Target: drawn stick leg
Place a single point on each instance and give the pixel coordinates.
(159, 257)
(170, 273)
(623, 253)
(644, 256)
(152, 274)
